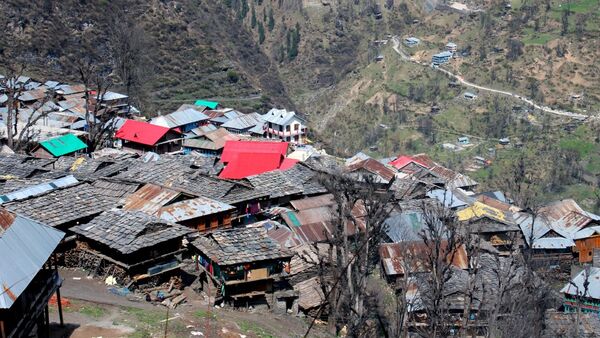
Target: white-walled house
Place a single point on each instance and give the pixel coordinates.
(285, 125)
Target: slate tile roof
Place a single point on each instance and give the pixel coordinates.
(62, 206)
(129, 231)
(115, 188)
(164, 171)
(237, 246)
(279, 183)
(13, 168)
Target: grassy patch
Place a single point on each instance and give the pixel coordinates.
(205, 314)
(537, 38)
(251, 327)
(584, 148)
(148, 317)
(92, 311)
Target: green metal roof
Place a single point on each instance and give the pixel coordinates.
(207, 104)
(63, 145)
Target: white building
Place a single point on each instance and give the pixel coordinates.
(285, 125)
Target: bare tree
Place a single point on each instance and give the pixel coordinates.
(129, 48)
(357, 227)
(442, 240)
(100, 119)
(21, 133)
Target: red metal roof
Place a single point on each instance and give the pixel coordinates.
(248, 164)
(141, 132)
(247, 158)
(288, 163)
(233, 148)
(403, 161)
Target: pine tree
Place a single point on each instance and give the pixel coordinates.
(244, 10)
(271, 20)
(261, 33)
(253, 19)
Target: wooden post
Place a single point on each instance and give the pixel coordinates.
(60, 313)
(2, 333)
(47, 315)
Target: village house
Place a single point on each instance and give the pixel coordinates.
(552, 231)
(60, 146)
(371, 170)
(285, 125)
(141, 137)
(208, 143)
(141, 245)
(111, 101)
(63, 207)
(410, 257)
(441, 58)
(250, 124)
(582, 292)
(493, 225)
(212, 105)
(27, 280)
(451, 47)
(175, 206)
(220, 116)
(183, 120)
(411, 41)
(244, 264)
(247, 158)
(285, 185)
(469, 96)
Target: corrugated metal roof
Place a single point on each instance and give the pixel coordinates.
(244, 122)
(179, 118)
(112, 96)
(207, 104)
(567, 216)
(25, 246)
(448, 198)
(203, 130)
(412, 255)
(247, 158)
(587, 232)
(279, 116)
(234, 148)
(576, 286)
(375, 167)
(141, 132)
(190, 209)
(478, 210)
(402, 161)
(150, 198)
(38, 189)
(557, 243)
(231, 114)
(63, 145)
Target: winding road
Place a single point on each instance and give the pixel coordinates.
(403, 55)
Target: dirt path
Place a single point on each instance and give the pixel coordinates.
(404, 56)
(96, 312)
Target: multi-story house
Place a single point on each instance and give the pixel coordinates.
(285, 125)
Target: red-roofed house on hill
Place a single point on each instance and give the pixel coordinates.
(142, 137)
(247, 158)
(403, 161)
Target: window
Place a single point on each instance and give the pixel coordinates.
(270, 125)
(280, 128)
(296, 126)
(287, 128)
